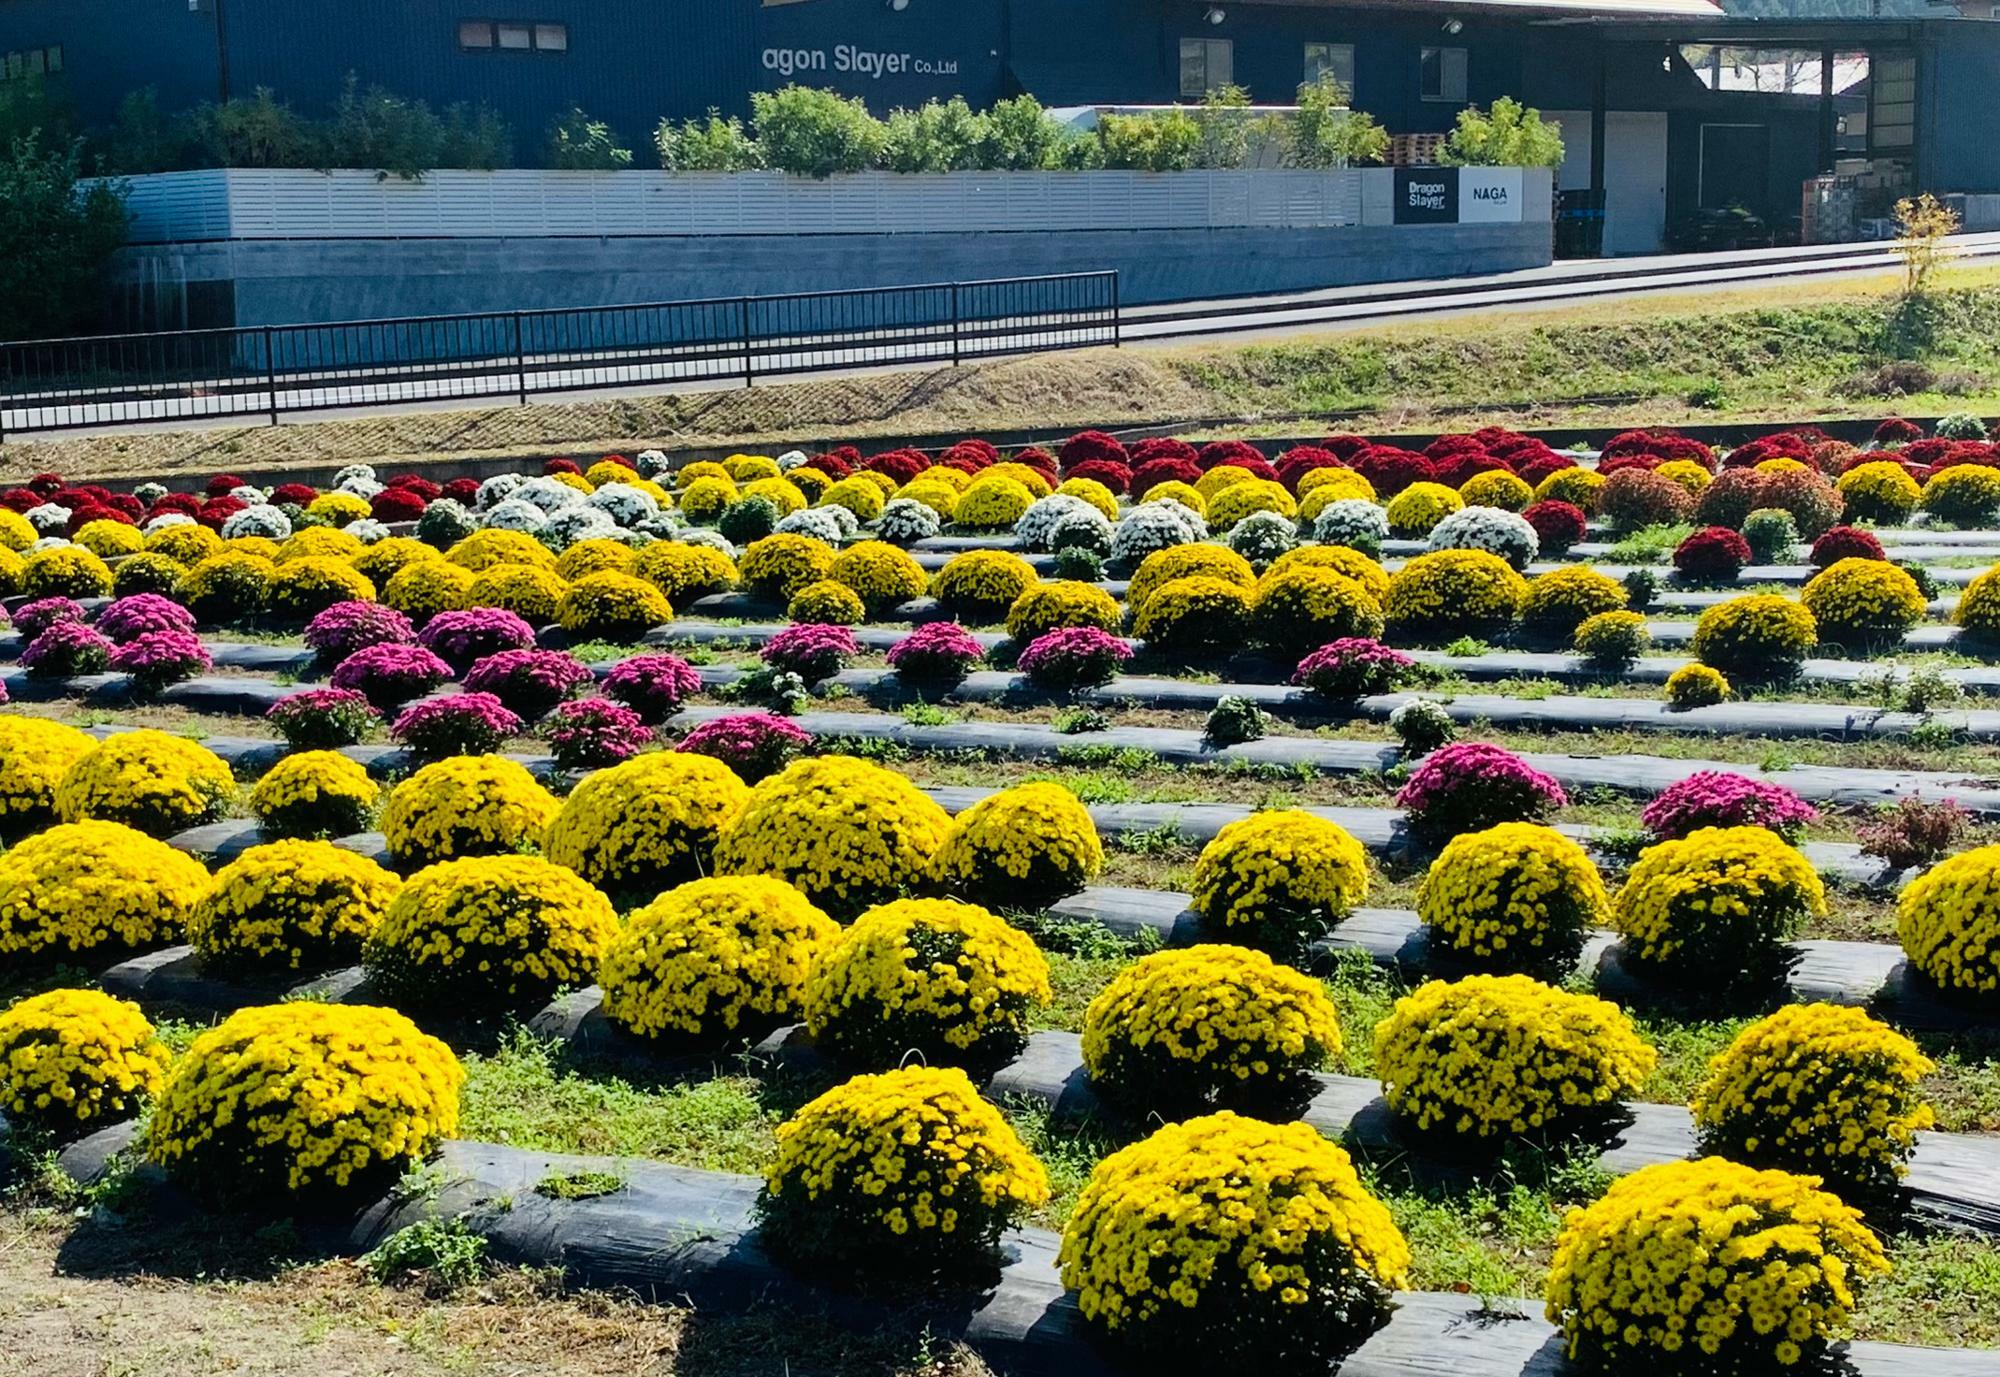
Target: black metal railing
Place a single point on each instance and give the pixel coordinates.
(270, 371)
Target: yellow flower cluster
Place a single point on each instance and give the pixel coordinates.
(422, 590)
(995, 501)
(73, 1058)
(304, 1097)
(1964, 494)
(1687, 473)
(1063, 602)
(225, 587)
(1279, 879)
(1416, 509)
(1758, 639)
(1299, 608)
(1948, 920)
(610, 606)
(1450, 593)
(1720, 902)
(933, 976)
(35, 754)
(1863, 604)
(1227, 1240)
(907, 1171)
(140, 573)
(1022, 847)
(337, 508)
(382, 561)
(1187, 1029)
(491, 545)
(1881, 492)
(1819, 1089)
(185, 545)
(1220, 477)
(1176, 562)
(1497, 488)
(690, 474)
(318, 542)
(301, 588)
(66, 571)
(531, 592)
(1708, 1265)
(687, 572)
(106, 538)
(1320, 487)
(705, 499)
(715, 957)
(778, 566)
(314, 794)
(1979, 606)
(290, 906)
(83, 886)
(489, 934)
(860, 494)
(849, 834)
(980, 585)
(1239, 500)
(1696, 686)
(1348, 563)
(827, 603)
(1492, 1055)
(1578, 487)
(469, 805)
(880, 574)
(1516, 897)
(1560, 601)
(150, 780)
(596, 555)
(1195, 616)
(18, 533)
(782, 493)
(646, 824)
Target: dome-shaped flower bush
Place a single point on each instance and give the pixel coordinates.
(1716, 906)
(489, 934)
(1191, 1029)
(35, 754)
(73, 1059)
(595, 556)
(186, 545)
(322, 719)
(686, 573)
(155, 782)
(1022, 847)
(755, 745)
(132, 617)
(1239, 500)
(1354, 667)
(1560, 601)
(1194, 616)
(593, 733)
(1062, 603)
(152, 661)
(1296, 607)
(813, 651)
(1818, 1089)
(654, 686)
(1278, 880)
(847, 833)
(1163, 521)
(1948, 920)
(1722, 798)
(299, 589)
(907, 1172)
(67, 571)
(1472, 785)
(390, 675)
(226, 587)
(979, 586)
(1882, 492)
(303, 1098)
(1708, 1266)
(1845, 542)
(1224, 1239)
(646, 825)
(1416, 510)
(92, 886)
(1073, 657)
(936, 656)
(1353, 523)
(531, 592)
(63, 650)
(1451, 593)
(1496, 488)
(994, 502)
(880, 574)
(346, 627)
(314, 794)
(31, 619)
(1492, 1056)
(422, 590)
(1761, 638)
(479, 805)
(1696, 686)
(610, 606)
(1513, 897)
(946, 980)
(1863, 604)
(713, 958)
(290, 906)
(529, 682)
(462, 724)
(778, 566)
(1186, 561)
(1501, 533)
(1965, 495)
(1713, 554)
(461, 638)
(388, 557)
(485, 548)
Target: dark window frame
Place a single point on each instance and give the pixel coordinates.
(533, 32)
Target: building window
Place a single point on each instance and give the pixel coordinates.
(1207, 64)
(1444, 74)
(1334, 60)
(32, 63)
(1892, 98)
(514, 36)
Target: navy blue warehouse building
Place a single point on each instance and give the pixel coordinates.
(1905, 103)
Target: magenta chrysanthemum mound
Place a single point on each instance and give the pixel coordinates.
(1717, 798)
(754, 744)
(390, 675)
(1353, 667)
(346, 627)
(529, 682)
(936, 653)
(132, 617)
(1472, 785)
(463, 638)
(654, 686)
(812, 650)
(1073, 657)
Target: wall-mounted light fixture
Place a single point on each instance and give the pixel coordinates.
(1454, 27)
(899, 5)
(1215, 14)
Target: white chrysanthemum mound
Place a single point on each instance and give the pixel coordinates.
(249, 494)
(354, 473)
(1151, 527)
(791, 459)
(1037, 527)
(905, 521)
(166, 519)
(1354, 522)
(367, 530)
(261, 520)
(547, 494)
(48, 518)
(1261, 537)
(497, 489)
(653, 462)
(572, 524)
(512, 515)
(1506, 534)
(820, 523)
(706, 535)
(624, 504)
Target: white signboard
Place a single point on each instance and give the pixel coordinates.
(1489, 195)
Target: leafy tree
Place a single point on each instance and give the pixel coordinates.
(56, 238)
(934, 137)
(578, 143)
(1509, 135)
(262, 131)
(711, 145)
(1019, 134)
(814, 133)
(1158, 141)
(1326, 133)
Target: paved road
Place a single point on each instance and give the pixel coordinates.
(587, 377)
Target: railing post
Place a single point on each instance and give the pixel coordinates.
(520, 362)
(954, 325)
(749, 358)
(271, 373)
(1117, 316)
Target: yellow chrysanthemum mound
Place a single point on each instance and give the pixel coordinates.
(1696, 686)
(1198, 1027)
(1717, 907)
(1239, 500)
(1516, 897)
(1882, 492)
(1450, 593)
(646, 824)
(1340, 559)
(230, 586)
(1497, 488)
(1062, 602)
(1948, 920)
(849, 834)
(422, 590)
(300, 589)
(485, 548)
(1227, 1240)
(684, 572)
(186, 545)
(304, 1098)
(337, 509)
(71, 1059)
(64, 571)
(1560, 601)
(1494, 1055)
(827, 603)
(610, 606)
(946, 980)
(908, 1172)
(35, 754)
(880, 574)
(149, 780)
(1298, 608)
(1022, 847)
(993, 502)
(778, 566)
(290, 906)
(1416, 509)
(314, 794)
(469, 805)
(594, 556)
(1708, 1266)
(318, 542)
(980, 585)
(382, 561)
(714, 958)
(1198, 560)
(1579, 487)
(87, 886)
(1819, 1089)
(1758, 639)
(531, 592)
(489, 934)
(1195, 616)
(1279, 879)
(106, 538)
(1863, 604)
(860, 494)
